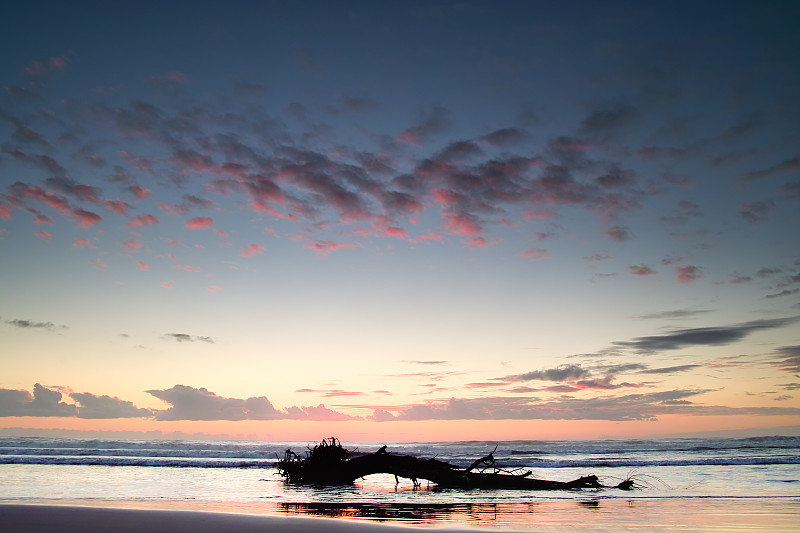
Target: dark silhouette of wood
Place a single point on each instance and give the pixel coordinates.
(328, 463)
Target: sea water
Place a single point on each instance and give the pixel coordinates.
(241, 476)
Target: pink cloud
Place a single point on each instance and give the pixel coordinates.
(131, 245)
(326, 247)
(213, 288)
(5, 212)
(642, 270)
(142, 220)
(221, 233)
(98, 263)
(199, 223)
(138, 162)
(251, 250)
(82, 242)
(40, 218)
(118, 206)
(427, 237)
(86, 218)
(140, 192)
(183, 159)
(22, 190)
(688, 273)
(480, 242)
(143, 266)
(58, 63)
(168, 285)
(539, 213)
(534, 254)
(462, 223)
(618, 233)
(53, 64)
(188, 268)
(44, 235)
(597, 257)
(171, 209)
(394, 231)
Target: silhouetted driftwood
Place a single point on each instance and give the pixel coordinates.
(329, 463)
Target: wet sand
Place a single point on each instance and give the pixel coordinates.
(55, 518)
(701, 515)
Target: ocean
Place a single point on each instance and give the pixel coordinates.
(694, 475)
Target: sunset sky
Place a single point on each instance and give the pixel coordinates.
(400, 220)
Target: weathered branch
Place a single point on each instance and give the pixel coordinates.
(330, 463)
(489, 460)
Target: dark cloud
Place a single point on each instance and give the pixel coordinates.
(677, 313)
(188, 403)
(140, 119)
(709, 336)
(785, 292)
(23, 93)
(22, 132)
(613, 408)
(184, 337)
(358, 104)
(102, 407)
(609, 119)
(618, 233)
(281, 174)
(30, 324)
(43, 402)
(689, 273)
(82, 192)
(642, 270)
(783, 167)
(621, 368)
(560, 373)
(434, 120)
(788, 358)
(505, 137)
(767, 272)
(670, 369)
(630, 407)
(459, 150)
(604, 383)
(756, 212)
(616, 178)
(791, 190)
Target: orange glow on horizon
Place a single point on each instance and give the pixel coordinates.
(428, 430)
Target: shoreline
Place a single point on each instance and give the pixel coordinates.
(778, 515)
(47, 518)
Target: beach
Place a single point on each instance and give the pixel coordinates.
(51, 518)
(612, 517)
(703, 485)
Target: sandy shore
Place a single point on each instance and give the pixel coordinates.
(61, 519)
(655, 516)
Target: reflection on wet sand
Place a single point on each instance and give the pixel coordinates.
(424, 514)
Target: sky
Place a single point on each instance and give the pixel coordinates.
(400, 220)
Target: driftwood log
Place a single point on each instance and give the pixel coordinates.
(328, 463)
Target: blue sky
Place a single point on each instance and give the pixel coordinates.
(547, 216)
